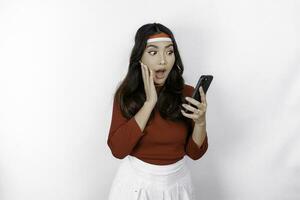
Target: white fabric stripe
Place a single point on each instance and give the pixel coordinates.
(159, 39)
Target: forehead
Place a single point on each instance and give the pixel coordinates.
(160, 44)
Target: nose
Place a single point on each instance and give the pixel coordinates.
(162, 59)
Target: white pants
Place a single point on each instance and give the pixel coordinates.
(138, 180)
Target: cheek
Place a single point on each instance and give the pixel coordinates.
(171, 63)
(149, 62)
(171, 58)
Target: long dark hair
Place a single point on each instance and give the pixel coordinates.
(131, 94)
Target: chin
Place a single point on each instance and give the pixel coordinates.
(159, 82)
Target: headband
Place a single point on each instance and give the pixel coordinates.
(159, 37)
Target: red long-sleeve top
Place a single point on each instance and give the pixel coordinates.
(161, 142)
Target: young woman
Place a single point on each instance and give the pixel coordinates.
(149, 129)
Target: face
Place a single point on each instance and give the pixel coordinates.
(160, 57)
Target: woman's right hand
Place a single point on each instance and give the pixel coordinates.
(151, 94)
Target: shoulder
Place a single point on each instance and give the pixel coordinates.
(188, 90)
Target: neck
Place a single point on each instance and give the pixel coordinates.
(158, 87)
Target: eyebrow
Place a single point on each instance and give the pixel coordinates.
(151, 45)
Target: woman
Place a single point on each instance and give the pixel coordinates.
(149, 129)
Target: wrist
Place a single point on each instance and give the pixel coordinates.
(201, 123)
(149, 105)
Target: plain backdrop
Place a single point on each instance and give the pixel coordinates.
(61, 61)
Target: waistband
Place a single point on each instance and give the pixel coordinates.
(156, 169)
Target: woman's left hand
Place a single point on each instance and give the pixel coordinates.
(198, 115)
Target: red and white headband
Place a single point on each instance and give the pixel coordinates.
(160, 37)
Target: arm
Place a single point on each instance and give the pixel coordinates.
(143, 115)
(125, 133)
(197, 143)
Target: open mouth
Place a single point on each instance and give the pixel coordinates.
(160, 74)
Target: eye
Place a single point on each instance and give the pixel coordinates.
(150, 52)
(170, 52)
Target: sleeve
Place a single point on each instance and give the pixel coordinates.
(124, 133)
(191, 148)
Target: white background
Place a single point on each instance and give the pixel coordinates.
(60, 64)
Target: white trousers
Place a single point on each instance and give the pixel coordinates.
(138, 180)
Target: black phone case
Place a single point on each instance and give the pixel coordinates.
(204, 81)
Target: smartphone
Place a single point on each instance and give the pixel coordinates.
(203, 81)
